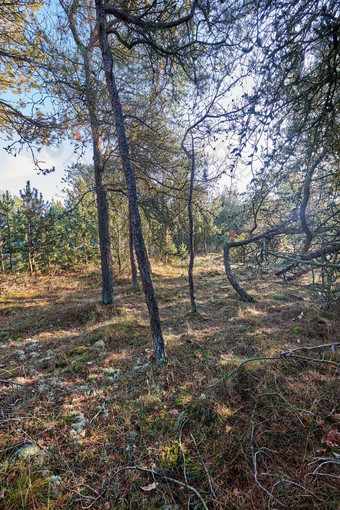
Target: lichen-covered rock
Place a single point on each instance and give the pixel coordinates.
(28, 451)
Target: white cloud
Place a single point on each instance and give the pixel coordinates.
(15, 171)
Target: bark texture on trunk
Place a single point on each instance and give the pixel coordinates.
(98, 163)
(232, 279)
(138, 239)
(191, 231)
(134, 275)
(166, 244)
(103, 227)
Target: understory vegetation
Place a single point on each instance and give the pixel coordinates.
(82, 399)
(169, 329)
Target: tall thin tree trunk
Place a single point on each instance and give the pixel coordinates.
(103, 223)
(191, 231)
(98, 163)
(205, 242)
(134, 275)
(118, 251)
(138, 239)
(10, 248)
(2, 257)
(166, 243)
(29, 250)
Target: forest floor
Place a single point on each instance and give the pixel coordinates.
(85, 398)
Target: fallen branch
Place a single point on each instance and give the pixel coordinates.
(284, 355)
(333, 346)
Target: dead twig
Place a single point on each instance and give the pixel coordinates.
(283, 355)
(205, 469)
(321, 347)
(324, 462)
(166, 478)
(7, 382)
(181, 426)
(4, 361)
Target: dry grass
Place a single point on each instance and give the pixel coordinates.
(92, 400)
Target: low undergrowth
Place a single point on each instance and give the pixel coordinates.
(82, 398)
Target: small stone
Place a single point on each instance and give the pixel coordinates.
(21, 354)
(203, 397)
(99, 344)
(115, 373)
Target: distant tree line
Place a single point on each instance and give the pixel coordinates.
(154, 88)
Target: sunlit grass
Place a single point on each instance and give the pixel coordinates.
(94, 400)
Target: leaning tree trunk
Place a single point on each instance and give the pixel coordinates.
(232, 279)
(191, 231)
(138, 239)
(134, 276)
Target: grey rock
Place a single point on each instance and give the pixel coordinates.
(99, 344)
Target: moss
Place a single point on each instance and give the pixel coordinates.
(171, 455)
(298, 330)
(317, 319)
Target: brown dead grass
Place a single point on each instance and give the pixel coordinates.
(283, 413)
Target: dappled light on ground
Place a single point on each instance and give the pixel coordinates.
(84, 397)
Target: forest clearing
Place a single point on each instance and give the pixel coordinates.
(169, 254)
(89, 399)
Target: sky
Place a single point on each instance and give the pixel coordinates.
(15, 171)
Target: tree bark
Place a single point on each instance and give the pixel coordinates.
(232, 279)
(134, 276)
(191, 231)
(268, 234)
(138, 239)
(166, 243)
(303, 207)
(30, 250)
(101, 195)
(118, 251)
(103, 224)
